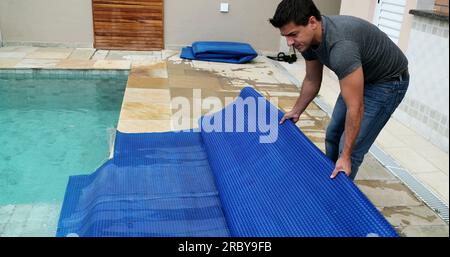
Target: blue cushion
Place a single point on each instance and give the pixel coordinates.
(228, 52)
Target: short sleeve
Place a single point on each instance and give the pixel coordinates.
(309, 55)
(345, 58)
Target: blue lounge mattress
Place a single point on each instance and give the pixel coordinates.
(228, 52)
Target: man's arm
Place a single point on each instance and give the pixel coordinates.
(310, 89)
(352, 91)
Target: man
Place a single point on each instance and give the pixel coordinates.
(372, 71)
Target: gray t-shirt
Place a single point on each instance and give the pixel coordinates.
(349, 42)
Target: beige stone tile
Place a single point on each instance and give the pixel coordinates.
(177, 67)
(100, 55)
(113, 64)
(145, 111)
(142, 64)
(12, 55)
(82, 54)
(387, 193)
(320, 145)
(191, 93)
(154, 70)
(40, 54)
(437, 181)
(316, 113)
(8, 48)
(8, 63)
(54, 50)
(328, 98)
(371, 169)
(315, 136)
(134, 55)
(411, 160)
(75, 64)
(160, 96)
(313, 106)
(25, 49)
(166, 54)
(194, 108)
(397, 128)
(175, 72)
(442, 163)
(426, 231)
(194, 82)
(196, 103)
(142, 126)
(184, 124)
(386, 140)
(415, 141)
(306, 123)
(267, 86)
(434, 155)
(282, 94)
(38, 63)
(147, 82)
(402, 216)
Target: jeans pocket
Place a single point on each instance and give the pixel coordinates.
(375, 99)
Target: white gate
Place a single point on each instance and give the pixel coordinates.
(389, 17)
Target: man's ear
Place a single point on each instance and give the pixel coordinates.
(312, 21)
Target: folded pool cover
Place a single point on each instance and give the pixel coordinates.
(218, 184)
(229, 52)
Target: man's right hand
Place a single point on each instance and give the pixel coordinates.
(292, 115)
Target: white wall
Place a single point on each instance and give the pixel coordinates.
(426, 105)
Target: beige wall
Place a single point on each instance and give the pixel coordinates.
(247, 21)
(69, 22)
(328, 7)
(363, 9)
(47, 21)
(407, 25)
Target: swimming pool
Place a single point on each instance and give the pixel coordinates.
(50, 129)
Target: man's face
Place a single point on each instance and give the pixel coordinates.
(300, 37)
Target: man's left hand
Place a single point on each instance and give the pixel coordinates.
(342, 165)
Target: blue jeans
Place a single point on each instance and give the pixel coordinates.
(380, 101)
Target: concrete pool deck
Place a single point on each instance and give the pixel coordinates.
(157, 77)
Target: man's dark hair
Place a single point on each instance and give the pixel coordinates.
(297, 11)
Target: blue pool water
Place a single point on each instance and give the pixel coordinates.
(49, 130)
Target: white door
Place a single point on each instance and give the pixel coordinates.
(389, 17)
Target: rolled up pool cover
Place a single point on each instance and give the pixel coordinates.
(218, 184)
(228, 52)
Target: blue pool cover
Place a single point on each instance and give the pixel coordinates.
(229, 52)
(218, 184)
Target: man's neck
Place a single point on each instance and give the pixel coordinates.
(318, 35)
